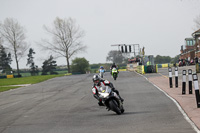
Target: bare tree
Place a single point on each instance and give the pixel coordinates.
(1, 48)
(1, 40)
(14, 36)
(116, 56)
(197, 23)
(66, 39)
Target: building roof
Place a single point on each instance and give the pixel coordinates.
(196, 33)
(189, 39)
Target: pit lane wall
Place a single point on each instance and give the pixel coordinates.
(135, 67)
(132, 66)
(145, 69)
(140, 69)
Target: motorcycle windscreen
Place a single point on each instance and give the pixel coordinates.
(105, 91)
(101, 70)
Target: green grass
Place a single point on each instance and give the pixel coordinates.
(27, 74)
(8, 88)
(27, 80)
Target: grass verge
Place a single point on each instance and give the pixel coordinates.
(4, 83)
(5, 88)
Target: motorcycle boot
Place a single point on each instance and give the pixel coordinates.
(122, 100)
(100, 103)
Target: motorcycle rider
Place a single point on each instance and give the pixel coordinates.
(113, 66)
(101, 67)
(99, 82)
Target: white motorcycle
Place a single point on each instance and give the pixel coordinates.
(101, 72)
(111, 100)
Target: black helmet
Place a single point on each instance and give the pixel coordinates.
(96, 79)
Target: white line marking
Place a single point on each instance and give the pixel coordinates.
(176, 103)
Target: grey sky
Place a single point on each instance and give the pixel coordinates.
(159, 25)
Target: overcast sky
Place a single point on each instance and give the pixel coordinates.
(158, 25)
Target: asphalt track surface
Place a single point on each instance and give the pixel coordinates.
(66, 105)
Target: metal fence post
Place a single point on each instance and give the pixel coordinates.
(170, 77)
(184, 82)
(196, 87)
(176, 76)
(190, 80)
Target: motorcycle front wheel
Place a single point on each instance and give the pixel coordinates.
(114, 76)
(101, 75)
(114, 106)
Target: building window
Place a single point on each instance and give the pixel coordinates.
(190, 43)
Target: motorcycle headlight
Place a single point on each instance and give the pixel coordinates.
(104, 95)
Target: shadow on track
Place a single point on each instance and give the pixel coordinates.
(125, 113)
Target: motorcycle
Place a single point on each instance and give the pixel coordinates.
(101, 72)
(114, 73)
(111, 100)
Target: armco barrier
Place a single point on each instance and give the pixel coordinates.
(10, 76)
(170, 65)
(3, 77)
(76, 73)
(17, 76)
(122, 70)
(164, 65)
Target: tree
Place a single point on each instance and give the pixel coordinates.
(115, 56)
(14, 35)
(162, 59)
(49, 65)
(66, 36)
(175, 59)
(5, 59)
(34, 69)
(197, 23)
(45, 68)
(80, 65)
